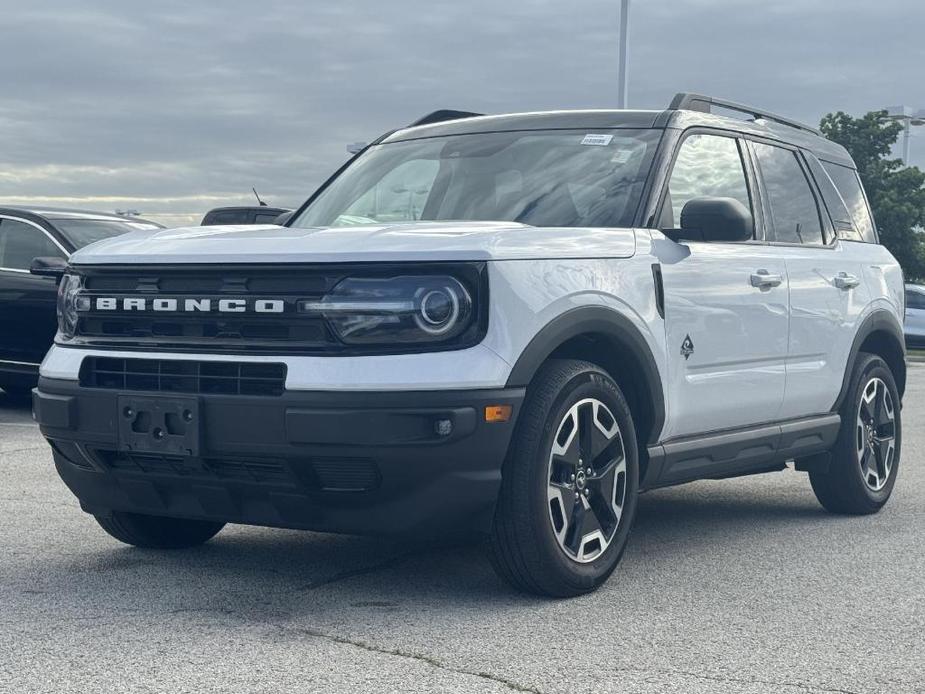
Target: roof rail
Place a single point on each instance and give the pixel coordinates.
(442, 115)
(698, 102)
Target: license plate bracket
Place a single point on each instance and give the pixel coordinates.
(160, 425)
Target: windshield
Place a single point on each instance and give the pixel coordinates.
(83, 232)
(561, 178)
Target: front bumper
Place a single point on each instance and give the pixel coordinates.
(366, 463)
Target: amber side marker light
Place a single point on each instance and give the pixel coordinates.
(498, 413)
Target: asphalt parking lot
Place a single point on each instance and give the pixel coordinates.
(736, 586)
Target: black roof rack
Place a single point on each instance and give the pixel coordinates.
(698, 102)
(442, 115)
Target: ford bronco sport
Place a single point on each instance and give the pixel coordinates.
(513, 324)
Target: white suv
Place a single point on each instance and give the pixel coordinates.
(513, 324)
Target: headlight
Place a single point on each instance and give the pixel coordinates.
(396, 310)
(68, 300)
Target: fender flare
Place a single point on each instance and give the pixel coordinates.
(880, 320)
(598, 320)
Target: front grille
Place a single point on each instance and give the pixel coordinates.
(216, 330)
(315, 474)
(180, 307)
(346, 474)
(182, 376)
(272, 472)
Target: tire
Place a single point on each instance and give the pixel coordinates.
(156, 532)
(865, 459)
(16, 393)
(534, 545)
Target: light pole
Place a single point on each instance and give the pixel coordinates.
(624, 39)
(908, 118)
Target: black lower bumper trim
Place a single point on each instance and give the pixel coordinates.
(334, 461)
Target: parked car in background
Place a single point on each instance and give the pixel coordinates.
(254, 214)
(27, 301)
(914, 326)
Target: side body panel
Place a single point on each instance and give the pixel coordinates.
(726, 339)
(27, 302)
(914, 319)
(826, 313)
(27, 316)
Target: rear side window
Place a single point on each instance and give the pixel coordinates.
(792, 205)
(849, 185)
(844, 225)
(263, 218)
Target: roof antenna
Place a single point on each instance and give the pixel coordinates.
(262, 203)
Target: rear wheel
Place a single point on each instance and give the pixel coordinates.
(865, 459)
(568, 496)
(157, 532)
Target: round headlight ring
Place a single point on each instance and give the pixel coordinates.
(431, 302)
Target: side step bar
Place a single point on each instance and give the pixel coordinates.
(739, 451)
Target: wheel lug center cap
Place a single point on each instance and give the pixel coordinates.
(580, 480)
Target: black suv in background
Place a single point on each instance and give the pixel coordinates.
(27, 300)
(253, 214)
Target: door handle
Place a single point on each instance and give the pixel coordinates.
(845, 281)
(762, 279)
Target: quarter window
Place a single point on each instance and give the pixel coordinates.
(706, 166)
(21, 243)
(793, 209)
(849, 185)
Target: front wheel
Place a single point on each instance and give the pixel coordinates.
(865, 459)
(569, 488)
(157, 532)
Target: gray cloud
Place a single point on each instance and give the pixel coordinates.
(174, 107)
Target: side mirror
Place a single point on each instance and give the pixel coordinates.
(283, 218)
(714, 219)
(50, 266)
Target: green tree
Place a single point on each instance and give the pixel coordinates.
(896, 192)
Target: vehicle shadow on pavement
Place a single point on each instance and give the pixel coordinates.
(265, 576)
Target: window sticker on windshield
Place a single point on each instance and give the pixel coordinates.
(600, 140)
(621, 156)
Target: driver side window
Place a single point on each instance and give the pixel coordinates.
(706, 166)
(21, 243)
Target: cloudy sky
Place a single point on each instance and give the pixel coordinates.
(175, 107)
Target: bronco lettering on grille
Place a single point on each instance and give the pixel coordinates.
(110, 303)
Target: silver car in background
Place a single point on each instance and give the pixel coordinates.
(914, 327)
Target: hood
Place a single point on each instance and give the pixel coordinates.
(416, 241)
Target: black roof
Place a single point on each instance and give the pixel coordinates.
(53, 213)
(686, 110)
(258, 208)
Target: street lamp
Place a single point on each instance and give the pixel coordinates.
(624, 39)
(908, 117)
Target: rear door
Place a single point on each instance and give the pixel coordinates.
(827, 291)
(726, 304)
(27, 302)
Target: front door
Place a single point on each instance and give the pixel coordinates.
(726, 304)
(27, 302)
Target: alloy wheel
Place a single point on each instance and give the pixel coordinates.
(876, 434)
(586, 490)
